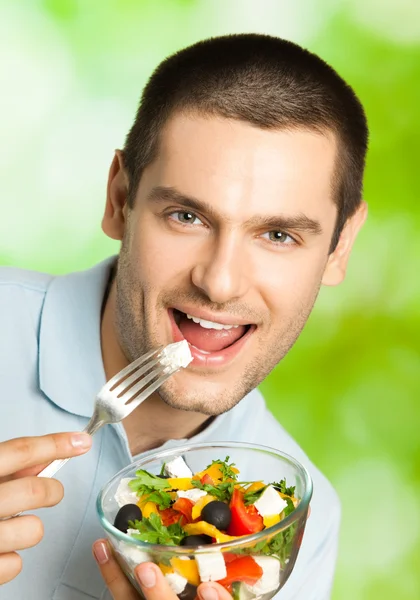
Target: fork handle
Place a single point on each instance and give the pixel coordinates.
(50, 470)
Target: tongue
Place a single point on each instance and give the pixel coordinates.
(209, 340)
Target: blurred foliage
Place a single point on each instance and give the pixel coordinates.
(70, 85)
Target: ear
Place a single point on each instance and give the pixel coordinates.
(335, 271)
(114, 219)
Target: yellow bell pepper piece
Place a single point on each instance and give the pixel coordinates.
(202, 527)
(292, 498)
(271, 520)
(254, 487)
(142, 503)
(149, 508)
(200, 504)
(165, 568)
(187, 568)
(215, 472)
(180, 483)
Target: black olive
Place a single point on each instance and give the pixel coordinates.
(188, 593)
(217, 513)
(196, 540)
(129, 512)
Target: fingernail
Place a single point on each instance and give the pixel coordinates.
(100, 551)
(208, 593)
(146, 576)
(81, 440)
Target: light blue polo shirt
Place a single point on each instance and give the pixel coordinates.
(50, 370)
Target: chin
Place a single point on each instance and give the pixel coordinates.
(205, 398)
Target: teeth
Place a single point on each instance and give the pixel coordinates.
(210, 324)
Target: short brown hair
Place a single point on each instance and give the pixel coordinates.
(263, 80)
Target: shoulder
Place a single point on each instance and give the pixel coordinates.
(13, 280)
(21, 279)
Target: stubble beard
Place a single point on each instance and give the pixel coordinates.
(137, 333)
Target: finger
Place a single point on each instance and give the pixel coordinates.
(28, 472)
(212, 591)
(24, 473)
(10, 566)
(20, 533)
(29, 493)
(117, 582)
(22, 453)
(153, 583)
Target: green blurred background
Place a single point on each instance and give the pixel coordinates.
(70, 78)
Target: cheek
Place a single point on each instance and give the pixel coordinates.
(162, 261)
(290, 283)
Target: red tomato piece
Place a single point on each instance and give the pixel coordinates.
(184, 506)
(245, 519)
(207, 479)
(243, 569)
(170, 516)
(229, 557)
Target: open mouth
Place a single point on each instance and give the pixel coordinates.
(211, 343)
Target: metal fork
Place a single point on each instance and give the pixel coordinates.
(122, 394)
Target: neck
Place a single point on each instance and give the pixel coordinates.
(153, 422)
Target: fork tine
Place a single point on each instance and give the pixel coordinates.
(159, 371)
(130, 367)
(133, 378)
(147, 392)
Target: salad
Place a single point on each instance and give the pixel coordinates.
(197, 510)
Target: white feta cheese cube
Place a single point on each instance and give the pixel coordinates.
(193, 495)
(133, 556)
(178, 468)
(176, 582)
(176, 355)
(211, 565)
(270, 579)
(270, 503)
(124, 494)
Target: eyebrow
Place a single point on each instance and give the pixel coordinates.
(299, 222)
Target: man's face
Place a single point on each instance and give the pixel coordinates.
(232, 225)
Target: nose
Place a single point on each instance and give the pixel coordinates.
(221, 271)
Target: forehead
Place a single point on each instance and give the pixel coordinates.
(242, 169)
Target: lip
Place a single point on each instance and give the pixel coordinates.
(213, 359)
(208, 316)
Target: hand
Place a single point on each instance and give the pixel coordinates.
(150, 578)
(20, 460)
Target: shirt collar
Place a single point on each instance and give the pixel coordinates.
(70, 359)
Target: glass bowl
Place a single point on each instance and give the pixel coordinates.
(274, 549)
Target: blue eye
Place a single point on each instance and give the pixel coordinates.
(185, 217)
(279, 237)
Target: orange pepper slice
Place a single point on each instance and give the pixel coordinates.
(165, 568)
(202, 527)
(187, 568)
(180, 483)
(254, 487)
(149, 508)
(200, 504)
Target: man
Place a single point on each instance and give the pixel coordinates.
(237, 195)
